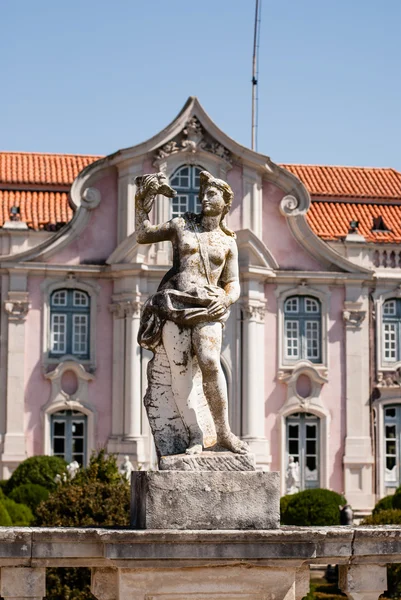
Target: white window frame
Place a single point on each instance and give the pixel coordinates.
(380, 297)
(75, 318)
(51, 285)
(321, 294)
(62, 317)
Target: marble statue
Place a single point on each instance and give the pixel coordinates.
(182, 322)
(126, 468)
(73, 468)
(292, 476)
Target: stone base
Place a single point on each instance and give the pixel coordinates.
(208, 461)
(205, 500)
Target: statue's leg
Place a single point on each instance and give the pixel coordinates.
(206, 341)
(177, 342)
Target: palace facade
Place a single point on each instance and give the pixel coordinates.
(311, 352)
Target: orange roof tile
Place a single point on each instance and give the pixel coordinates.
(330, 220)
(38, 209)
(39, 168)
(349, 182)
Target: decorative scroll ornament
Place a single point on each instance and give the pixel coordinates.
(193, 138)
(91, 198)
(354, 318)
(17, 310)
(125, 308)
(289, 205)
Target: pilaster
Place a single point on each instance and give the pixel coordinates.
(252, 201)
(126, 201)
(358, 457)
(16, 306)
(363, 582)
(253, 383)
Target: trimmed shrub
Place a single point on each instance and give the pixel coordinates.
(385, 503)
(5, 519)
(284, 503)
(40, 470)
(20, 514)
(30, 494)
(391, 516)
(313, 507)
(396, 503)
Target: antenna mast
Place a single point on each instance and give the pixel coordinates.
(255, 62)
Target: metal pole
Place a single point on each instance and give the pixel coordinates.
(254, 79)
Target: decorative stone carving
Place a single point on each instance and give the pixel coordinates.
(288, 205)
(17, 310)
(186, 398)
(292, 476)
(192, 138)
(125, 308)
(354, 318)
(253, 312)
(91, 198)
(391, 379)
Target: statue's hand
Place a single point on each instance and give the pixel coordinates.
(148, 186)
(218, 307)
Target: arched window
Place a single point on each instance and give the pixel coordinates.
(69, 323)
(302, 444)
(391, 330)
(302, 329)
(185, 181)
(68, 436)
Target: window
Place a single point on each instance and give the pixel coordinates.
(68, 436)
(69, 323)
(391, 330)
(302, 328)
(303, 446)
(392, 432)
(186, 182)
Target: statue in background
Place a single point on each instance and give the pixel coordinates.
(126, 468)
(292, 476)
(182, 322)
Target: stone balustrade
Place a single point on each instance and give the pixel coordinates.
(215, 565)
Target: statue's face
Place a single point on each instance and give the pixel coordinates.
(212, 202)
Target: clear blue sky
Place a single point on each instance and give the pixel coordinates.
(93, 76)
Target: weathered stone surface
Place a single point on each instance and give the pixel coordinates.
(205, 500)
(23, 582)
(208, 461)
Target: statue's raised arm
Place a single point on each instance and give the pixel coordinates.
(148, 187)
(183, 320)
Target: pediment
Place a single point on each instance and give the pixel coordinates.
(252, 252)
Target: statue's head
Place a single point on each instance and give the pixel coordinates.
(208, 183)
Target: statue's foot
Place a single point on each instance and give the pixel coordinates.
(194, 449)
(232, 443)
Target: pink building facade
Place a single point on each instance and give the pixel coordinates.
(310, 352)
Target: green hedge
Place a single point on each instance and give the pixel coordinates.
(30, 494)
(20, 514)
(312, 507)
(41, 470)
(385, 503)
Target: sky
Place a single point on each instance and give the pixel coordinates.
(94, 76)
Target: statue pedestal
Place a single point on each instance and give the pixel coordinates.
(205, 500)
(208, 461)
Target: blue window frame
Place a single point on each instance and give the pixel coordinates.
(303, 443)
(391, 332)
(68, 436)
(69, 323)
(185, 181)
(302, 329)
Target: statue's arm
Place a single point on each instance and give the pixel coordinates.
(146, 233)
(230, 275)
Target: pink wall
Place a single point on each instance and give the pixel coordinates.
(234, 178)
(278, 238)
(99, 239)
(333, 392)
(37, 391)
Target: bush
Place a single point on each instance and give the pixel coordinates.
(284, 500)
(385, 503)
(396, 501)
(20, 514)
(98, 495)
(40, 470)
(5, 519)
(391, 516)
(313, 507)
(30, 494)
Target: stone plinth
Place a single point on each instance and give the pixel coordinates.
(208, 461)
(205, 500)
